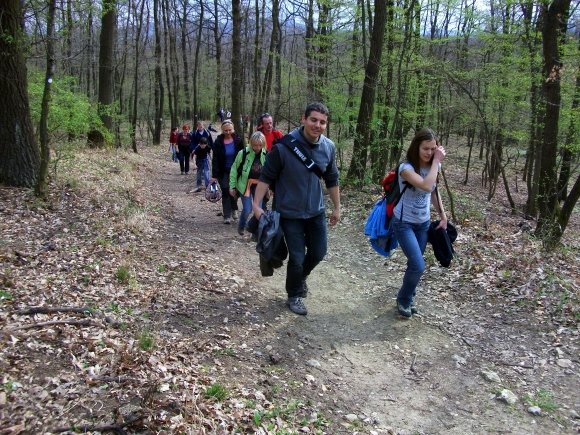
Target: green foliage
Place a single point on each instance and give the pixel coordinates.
(5, 295)
(71, 113)
(217, 392)
(123, 274)
(146, 340)
(543, 399)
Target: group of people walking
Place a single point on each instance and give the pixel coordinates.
(186, 145)
(292, 168)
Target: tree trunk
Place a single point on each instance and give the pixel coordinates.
(256, 88)
(566, 168)
(139, 18)
(158, 81)
(309, 40)
(19, 155)
(196, 113)
(237, 72)
(365, 113)
(554, 23)
(268, 74)
(169, 62)
(41, 182)
(185, 57)
(106, 64)
(218, 58)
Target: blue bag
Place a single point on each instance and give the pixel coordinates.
(379, 231)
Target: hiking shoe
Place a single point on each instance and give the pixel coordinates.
(241, 231)
(198, 189)
(296, 305)
(304, 288)
(404, 311)
(227, 221)
(414, 309)
(234, 214)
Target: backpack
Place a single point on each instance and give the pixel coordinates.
(392, 191)
(378, 226)
(241, 165)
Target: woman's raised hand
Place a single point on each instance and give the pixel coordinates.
(439, 153)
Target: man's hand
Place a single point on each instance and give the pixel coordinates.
(233, 193)
(258, 211)
(334, 217)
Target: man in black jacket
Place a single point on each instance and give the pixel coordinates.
(300, 200)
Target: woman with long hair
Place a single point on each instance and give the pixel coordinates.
(411, 216)
(245, 174)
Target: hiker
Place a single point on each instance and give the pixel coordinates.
(184, 144)
(202, 155)
(411, 216)
(221, 114)
(226, 146)
(245, 174)
(266, 126)
(299, 197)
(173, 143)
(200, 131)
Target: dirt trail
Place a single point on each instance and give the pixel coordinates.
(353, 354)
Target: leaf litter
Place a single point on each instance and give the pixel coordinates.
(125, 305)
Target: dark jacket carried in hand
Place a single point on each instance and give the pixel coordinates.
(442, 242)
(271, 244)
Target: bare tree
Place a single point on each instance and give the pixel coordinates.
(158, 90)
(41, 182)
(107, 65)
(555, 17)
(365, 113)
(237, 72)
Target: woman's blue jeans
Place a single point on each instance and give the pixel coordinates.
(412, 240)
(247, 207)
(306, 241)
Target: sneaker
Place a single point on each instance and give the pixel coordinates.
(404, 311)
(198, 189)
(182, 172)
(227, 221)
(296, 305)
(234, 214)
(304, 288)
(241, 231)
(414, 309)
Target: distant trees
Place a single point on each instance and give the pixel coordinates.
(486, 77)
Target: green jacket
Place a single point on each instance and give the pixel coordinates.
(241, 182)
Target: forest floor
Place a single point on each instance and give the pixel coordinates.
(174, 330)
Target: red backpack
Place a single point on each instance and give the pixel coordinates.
(392, 191)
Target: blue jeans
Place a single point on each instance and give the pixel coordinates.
(247, 207)
(202, 171)
(306, 241)
(413, 240)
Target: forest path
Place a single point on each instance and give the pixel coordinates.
(353, 354)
